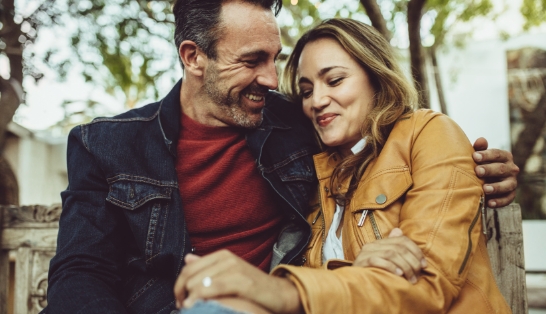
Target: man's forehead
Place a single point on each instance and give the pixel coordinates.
(245, 16)
(249, 29)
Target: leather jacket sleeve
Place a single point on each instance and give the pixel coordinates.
(85, 273)
(440, 212)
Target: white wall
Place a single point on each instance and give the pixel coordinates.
(476, 86)
(39, 165)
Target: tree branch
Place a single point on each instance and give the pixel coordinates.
(418, 64)
(378, 21)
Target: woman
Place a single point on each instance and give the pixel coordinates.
(386, 170)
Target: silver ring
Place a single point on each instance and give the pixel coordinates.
(207, 281)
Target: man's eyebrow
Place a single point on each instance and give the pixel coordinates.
(258, 53)
(321, 73)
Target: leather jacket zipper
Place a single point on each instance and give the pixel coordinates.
(376, 231)
(472, 224)
(484, 218)
(323, 229)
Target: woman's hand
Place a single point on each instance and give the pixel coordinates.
(223, 274)
(396, 254)
(499, 171)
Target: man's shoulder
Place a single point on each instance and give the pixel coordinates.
(143, 113)
(284, 109)
(275, 101)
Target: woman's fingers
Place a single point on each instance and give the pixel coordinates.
(397, 254)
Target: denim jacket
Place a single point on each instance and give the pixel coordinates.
(122, 235)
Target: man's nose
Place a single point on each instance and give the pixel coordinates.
(268, 76)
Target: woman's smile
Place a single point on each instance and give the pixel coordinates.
(324, 119)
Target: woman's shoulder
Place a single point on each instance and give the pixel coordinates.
(424, 119)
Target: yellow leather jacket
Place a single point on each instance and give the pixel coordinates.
(424, 183)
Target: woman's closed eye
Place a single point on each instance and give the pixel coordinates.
(306, 93)
(336, 81)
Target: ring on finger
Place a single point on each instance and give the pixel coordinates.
(207, 281)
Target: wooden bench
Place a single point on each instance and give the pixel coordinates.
(31, 232)
(505, 248)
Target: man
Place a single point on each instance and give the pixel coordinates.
(209, 167)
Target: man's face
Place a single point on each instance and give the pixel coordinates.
(237, 81)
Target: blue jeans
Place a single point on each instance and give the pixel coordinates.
(209, 307)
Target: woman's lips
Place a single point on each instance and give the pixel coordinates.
(325, 119)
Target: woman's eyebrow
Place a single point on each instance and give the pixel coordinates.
(321, 73)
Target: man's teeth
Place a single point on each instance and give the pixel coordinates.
(254, 97)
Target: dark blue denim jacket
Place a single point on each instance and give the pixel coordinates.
(122, 235)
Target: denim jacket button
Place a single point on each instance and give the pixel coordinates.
(381, 199)
(292, 217)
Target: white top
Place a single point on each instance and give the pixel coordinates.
(333, 246)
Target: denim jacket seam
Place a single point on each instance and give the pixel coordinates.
(301, 153)
(138, 203)
(137, 294)
(143, 119)
(133, 178)
(84, 137)
(168, 306)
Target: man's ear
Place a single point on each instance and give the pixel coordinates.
(192, 57)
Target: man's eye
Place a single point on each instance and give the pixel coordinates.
(252, 62)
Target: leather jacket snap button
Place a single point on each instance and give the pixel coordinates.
(381, 199)
(326, 189)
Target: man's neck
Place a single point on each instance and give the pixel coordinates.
(196, 105)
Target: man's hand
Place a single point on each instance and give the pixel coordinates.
(498, 170)
(223, 274)
(396, 254)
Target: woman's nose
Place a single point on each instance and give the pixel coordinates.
(320, 100)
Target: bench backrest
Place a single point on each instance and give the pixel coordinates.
(31, 231)
(505, 248)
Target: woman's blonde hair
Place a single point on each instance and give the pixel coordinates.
(394, 95)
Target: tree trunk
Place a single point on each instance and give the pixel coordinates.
(11, 90)
(9, 189)
(438, 80)
(11, 96)
(418, 61)
(378, 21)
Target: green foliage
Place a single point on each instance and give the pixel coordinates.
(125, 46)
(534, 12)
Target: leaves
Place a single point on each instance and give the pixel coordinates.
(534, 12)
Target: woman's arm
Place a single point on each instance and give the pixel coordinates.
(440, 214)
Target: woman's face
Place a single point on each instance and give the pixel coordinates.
(336, 92)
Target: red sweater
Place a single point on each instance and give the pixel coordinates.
(227, 204)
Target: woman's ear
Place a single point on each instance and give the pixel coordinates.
(192, 57)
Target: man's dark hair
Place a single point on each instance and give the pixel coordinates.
(199, 21)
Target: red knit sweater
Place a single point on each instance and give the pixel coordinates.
(227, 204)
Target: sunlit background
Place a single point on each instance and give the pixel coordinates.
(484, 63)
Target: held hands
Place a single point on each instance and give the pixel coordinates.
(223, 274)
(396, 254)
(498, 170)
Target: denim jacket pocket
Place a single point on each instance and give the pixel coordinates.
(146, 204)
(133, 194)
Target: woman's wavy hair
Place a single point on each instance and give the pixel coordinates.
(394, 95)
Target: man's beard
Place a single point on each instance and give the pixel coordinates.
(232, 106)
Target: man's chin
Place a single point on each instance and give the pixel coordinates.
(248, 120)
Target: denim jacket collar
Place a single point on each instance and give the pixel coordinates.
(169, 117)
